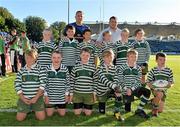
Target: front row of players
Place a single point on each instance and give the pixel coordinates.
(56, 88)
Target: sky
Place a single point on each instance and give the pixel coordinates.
(163, 11)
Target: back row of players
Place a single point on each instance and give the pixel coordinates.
(70, 72)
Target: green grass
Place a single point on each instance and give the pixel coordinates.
(170, 117)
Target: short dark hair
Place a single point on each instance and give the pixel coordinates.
(113, 17)
(85, 50)
(68, 27)
(79, 12)
(138, 30)
(86, 30)
(160, 54)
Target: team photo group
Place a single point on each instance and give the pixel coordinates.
(82, 71)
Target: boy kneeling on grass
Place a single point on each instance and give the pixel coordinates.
(57, 85)
(161, 72)
(109, 84)
(83, 84)
(130, 74)
(29, 85)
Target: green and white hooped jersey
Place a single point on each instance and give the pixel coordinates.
(143, 50)
(105, 46)
(30, 81)
(83, 78)
(91, 47)
(130, 76)
(121, 52)
(160, 74)
(69, 51)
(107, 78)
(45, 50)
(57, 84)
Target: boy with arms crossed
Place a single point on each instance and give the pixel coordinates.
(68, 47)
(144, 52)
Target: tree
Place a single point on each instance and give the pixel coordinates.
(5, 13)
(57, 29)
(35, 26)
(15, 23)
(2, 22)
(7, 21)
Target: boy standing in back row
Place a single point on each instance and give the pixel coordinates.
(144, 52)
(45, 48)
(87, 43)
(68, 46)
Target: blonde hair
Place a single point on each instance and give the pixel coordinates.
(125, 30)
(132, 52)
(33, 53)
(107, 53)
(106, 32)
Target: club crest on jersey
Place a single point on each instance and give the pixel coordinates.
(23, 78)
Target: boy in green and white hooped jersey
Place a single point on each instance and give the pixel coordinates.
(108, 83)
(29, 85)
(82, 91)
(45, 48)
(57, 85)
(121, 48)
(106, 45)
(130, 76)
(68, 46)
(160, 72)
(144, 52)
(87, 43)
